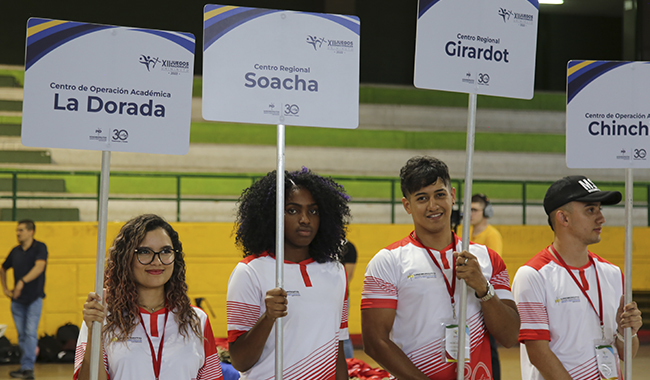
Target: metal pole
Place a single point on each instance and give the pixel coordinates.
(647, 207)
(178, 198)
(629, 204)
(99, 270)
(14, 195)
(392, 201)
(523, 202)
(467, 203)
(279, 246)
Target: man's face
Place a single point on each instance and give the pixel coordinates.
(430, 207)
(477, 213)
(23, 234)
(585, 221)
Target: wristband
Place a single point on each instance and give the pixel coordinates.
(621, 337)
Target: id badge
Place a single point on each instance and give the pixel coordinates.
(607, 358)
(451, 343)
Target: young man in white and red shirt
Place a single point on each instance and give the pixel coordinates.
(412, 287)
(568, 297)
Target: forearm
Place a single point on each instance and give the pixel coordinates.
(545, 361)
(3, 278)
(502, 320)
(84, 370)
(247, 349)
(620, 346)
(392, 358)
(341, 364)
(36, 271)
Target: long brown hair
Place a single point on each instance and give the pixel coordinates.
(121, 292)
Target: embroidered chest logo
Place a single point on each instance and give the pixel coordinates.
(417, 276)
(293, 293)
(135, 339)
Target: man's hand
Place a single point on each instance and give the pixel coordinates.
(468, 269)
(628, 316)
(9, 293)
(18, 289)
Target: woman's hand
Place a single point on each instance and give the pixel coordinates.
(94, 311)
(276, 303)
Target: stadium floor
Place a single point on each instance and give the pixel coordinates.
(509, 366)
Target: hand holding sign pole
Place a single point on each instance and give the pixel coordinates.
(607, 126)
(476, 47)
(107, 88)
(278, 67)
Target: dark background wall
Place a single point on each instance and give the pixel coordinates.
(387, 31)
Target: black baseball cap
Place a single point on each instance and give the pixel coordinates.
(577, 188)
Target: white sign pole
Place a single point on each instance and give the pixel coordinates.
(279, 246)
(102, 217)
(629, 203)
(467, 203)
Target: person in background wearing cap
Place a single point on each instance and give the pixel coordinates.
(570, 300)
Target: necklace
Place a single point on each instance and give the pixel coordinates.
(153, 309)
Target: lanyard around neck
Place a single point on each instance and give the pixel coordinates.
(156, 361)
(451, 286)
(599, 312)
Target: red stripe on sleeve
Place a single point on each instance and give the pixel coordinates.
(378, 303)
(525, 335)
(234, 334)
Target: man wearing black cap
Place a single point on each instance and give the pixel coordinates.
(570, 300)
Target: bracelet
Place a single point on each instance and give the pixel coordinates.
(621, 337)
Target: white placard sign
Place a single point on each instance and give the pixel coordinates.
(607, 114)
(280, 67)
(477, 46)
(101, 87)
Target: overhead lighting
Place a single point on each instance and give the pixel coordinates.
(555, 2)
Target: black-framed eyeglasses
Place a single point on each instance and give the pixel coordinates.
(146, 255)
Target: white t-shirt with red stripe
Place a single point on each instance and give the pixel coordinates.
(553, 308)
(190, 358)
(403, 277)
(317, 315)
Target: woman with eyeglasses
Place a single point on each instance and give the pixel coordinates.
(312, 301)
(150, 330)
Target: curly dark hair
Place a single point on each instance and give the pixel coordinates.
(255, 227)
(422, 171)
(121, 292)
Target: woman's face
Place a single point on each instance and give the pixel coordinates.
(301, 219)
(155, 274)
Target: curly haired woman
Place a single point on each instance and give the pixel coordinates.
(145, 286)
(312, 302)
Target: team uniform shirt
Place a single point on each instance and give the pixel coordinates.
(403, 277)
(190, 357)
(553, 308)
(490, 237)
(317, 315)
